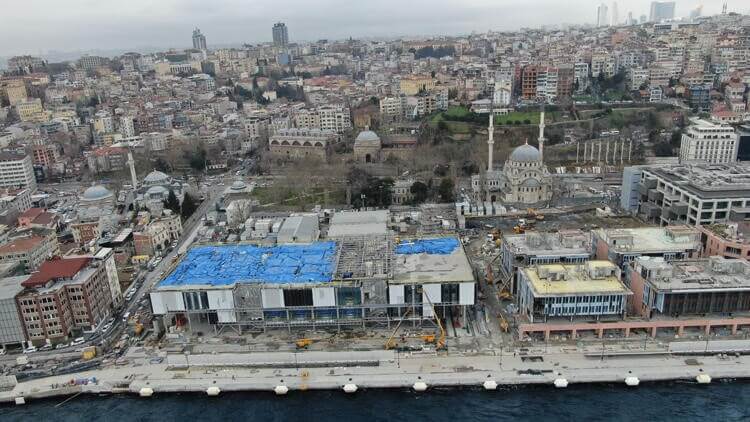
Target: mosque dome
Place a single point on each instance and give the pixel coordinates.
(156, 178)
(526, 154)
(95, 193)
(367, 136)
(238, 185)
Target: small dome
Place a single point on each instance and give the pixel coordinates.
(367, 136)
(525, 153)
(156, 178)
(95, 193)
(238, 185)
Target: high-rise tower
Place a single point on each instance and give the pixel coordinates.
(199, 40)
(280, 34)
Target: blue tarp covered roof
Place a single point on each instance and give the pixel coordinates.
(228, 264)
(436, 246)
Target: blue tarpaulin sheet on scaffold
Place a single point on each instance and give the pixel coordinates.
(229, 264)
(436, 246)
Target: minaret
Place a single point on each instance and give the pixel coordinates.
(131, 164)
(491, 139)
(541, 134)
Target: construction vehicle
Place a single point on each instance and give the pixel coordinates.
(306, 342)
(534, 214)
(503, 323)
(391, 343)
(440, 343)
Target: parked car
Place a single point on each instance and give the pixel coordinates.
(78, 341)
(28, 350)
(46, 348)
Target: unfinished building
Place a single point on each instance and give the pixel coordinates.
(350, 281)
(532, 248)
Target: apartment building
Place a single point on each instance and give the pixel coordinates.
(30, 251)
(708, 142)
(16, 171)
(66, 296)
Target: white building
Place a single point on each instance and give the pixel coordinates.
(709, 142)
(16, 171)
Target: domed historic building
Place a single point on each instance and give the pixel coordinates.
(524, 179)
(155, 188)
(95, 214)
(367, 147)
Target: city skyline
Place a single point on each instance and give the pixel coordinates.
(232, 22)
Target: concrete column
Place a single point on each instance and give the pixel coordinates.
(606, 154)
(708, 329)
(653, 331)
(578, 148)
(546, 335)
(574, 334)
(627, 332)
(734, 329)
(600, 332)
(680, 330)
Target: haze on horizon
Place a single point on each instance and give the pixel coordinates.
(77, 25)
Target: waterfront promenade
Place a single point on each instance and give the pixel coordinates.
(558, 366)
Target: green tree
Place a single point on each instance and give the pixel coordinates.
(420, 191)
(172, 203)
(445, 190)
(188, 206)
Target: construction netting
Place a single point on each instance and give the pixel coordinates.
(435, 246)
(224, 265)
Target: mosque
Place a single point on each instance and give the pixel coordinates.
(524, 179)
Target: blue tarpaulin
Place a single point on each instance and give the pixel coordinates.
(225, 265)
(436, 246)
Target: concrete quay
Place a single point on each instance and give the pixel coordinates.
(289, 372)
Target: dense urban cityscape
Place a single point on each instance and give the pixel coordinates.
(372, 213)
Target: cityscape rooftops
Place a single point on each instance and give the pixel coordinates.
(21, 245)
(11, 286)
(593, 277)
(692, 275)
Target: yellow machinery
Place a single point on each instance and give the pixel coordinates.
(391, 343)
(503, 323)
(304, 343)
(535, 214)
(440, 344)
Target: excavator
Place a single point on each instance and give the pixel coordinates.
(306, 342)
(437, 340)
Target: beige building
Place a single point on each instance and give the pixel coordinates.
(17, 171)
(367, 147)
(31, 110)
(413, 84)
(30, 251)
(296, 144)
(14, 90)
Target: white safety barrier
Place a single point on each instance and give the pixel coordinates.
(350, 388)
(490, 385)
(281, 390)
(703, 379)
(419, 386)
(213, 391)
(146, 392)
(561, 383)
(632, 381)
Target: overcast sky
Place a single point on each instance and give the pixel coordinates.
(38, 26)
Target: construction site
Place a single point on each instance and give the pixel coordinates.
(409, 293)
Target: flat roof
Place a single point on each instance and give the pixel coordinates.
(707, 181)
(11, 286)
(577, 279)
(359, 223)
(225, 265)
(431, 260)
(562, 243)
(694, 275)
(651, 239)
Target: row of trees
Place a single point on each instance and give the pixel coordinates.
(188, 207)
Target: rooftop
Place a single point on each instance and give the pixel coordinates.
(709, 181)
(22, 244)
(11, 286)
(692, 275)
(593, 277)
(651, 239)
(431, 260)
(56, 268)
(562, 243)
(359, 223)
(226, 265)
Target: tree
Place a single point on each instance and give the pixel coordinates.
(188, 206)
(162, 165)
(420, 192)
(445, 190)
(172, 203)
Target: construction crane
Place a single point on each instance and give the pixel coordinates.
(440, 343)
(391, 343)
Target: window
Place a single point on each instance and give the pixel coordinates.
(298, 297)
